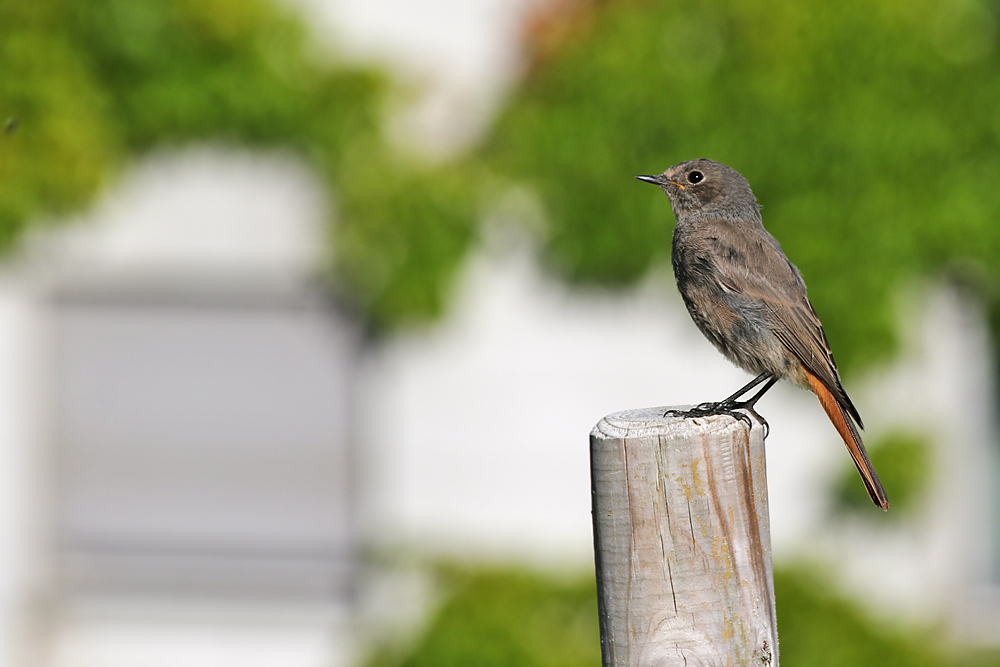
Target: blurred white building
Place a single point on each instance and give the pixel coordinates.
(190, 484)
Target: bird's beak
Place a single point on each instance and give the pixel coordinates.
(658, 180)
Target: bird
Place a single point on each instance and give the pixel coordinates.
(750, 301)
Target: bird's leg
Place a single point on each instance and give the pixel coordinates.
(742, 390)
(730, 406)
(749, 404)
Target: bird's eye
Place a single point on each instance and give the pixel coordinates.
(695, 177)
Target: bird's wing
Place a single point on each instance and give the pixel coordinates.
(760, 273)
(752, 266)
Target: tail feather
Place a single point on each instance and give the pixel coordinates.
(842, 421)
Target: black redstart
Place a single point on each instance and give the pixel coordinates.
(750, 301)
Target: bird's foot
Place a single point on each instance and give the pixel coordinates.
(728, 407)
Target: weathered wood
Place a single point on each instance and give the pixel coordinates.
(682, 542)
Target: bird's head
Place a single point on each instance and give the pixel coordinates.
(706, 186)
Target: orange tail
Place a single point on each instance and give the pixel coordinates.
(852, 439)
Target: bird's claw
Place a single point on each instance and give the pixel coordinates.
(730, 408)
(760, 420)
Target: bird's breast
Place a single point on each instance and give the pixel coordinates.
(738, 325)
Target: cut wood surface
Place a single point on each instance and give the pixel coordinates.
(682, 541)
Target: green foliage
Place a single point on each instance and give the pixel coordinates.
(404, 233)
(508, 618)
(816, 628)
(65, 142)
(868, 131)
(512, 618)
(184, 70)
(96, 82)
(903, 464)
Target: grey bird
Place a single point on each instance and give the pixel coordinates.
(750, 301)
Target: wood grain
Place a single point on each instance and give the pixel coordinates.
(682, 541)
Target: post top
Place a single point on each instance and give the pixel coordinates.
(644, 422)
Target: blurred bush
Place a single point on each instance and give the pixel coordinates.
(95, 83)
(513, 618)
(64, 142)
(506, 617)
(868, 130)
(818, 628)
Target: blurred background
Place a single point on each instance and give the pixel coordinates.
(307, 308)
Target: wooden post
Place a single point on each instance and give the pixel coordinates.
(682, 542)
